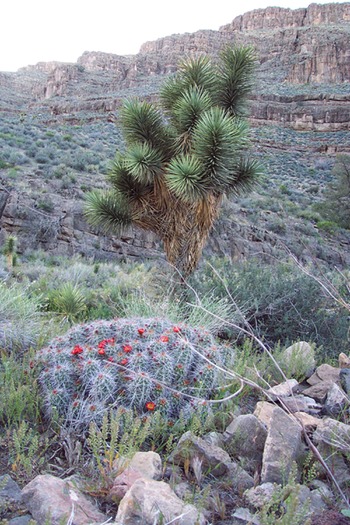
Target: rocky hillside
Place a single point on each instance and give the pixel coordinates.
(58, 132)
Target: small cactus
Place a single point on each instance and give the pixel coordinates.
(146, 365)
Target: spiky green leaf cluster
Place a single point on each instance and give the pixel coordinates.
(188, 149)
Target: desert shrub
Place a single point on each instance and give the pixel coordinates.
(327, 226)
(45, 205)
(20, 319)
(280, 302)
(336, 204)
(3, 164)
(146, 365)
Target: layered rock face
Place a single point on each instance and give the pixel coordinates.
(295, 47)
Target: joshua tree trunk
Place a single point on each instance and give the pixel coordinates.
(187, 231)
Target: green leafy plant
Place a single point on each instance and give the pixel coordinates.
(179, 162)
(27, 450)
(19, 395)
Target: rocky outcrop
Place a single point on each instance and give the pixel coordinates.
(145, 487)
(295, 47)
(272, 17)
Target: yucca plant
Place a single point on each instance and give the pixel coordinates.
(9, 250)
(69, 301)
(180, 159)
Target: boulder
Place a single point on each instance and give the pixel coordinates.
(309, 501)
(319, 391)
(149, 501)
(245, 437)
(333, 433)
(308, 421)
(324, 373)
(336, 401)
(56, 500)
(283, 446)
(214, 459)
(298, 360)
(300, 403)
(263, 411)
(10, 496)
(142, 465)
(344, 377)
(243, 516)
(284, 389)
(258, 496)
(148, 463)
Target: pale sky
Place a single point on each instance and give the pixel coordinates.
(42, 30)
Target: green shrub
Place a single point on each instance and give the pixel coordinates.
(327, 226)
(280, 302)
(146, 365)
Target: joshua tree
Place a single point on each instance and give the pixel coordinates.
(182, 157)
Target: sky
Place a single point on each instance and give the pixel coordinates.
(40, 31)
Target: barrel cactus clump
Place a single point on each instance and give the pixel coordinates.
(146, 365)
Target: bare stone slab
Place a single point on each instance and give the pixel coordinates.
(333, 433)
(319, 391)
(282, 447)
(54, 499)
(283, 389)
(324, 373)
(213, 458)
(245, 436)
(263, 411)
(149, 501)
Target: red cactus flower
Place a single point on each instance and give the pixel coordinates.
(111, 359)
(127, 348)
(150, 406)
(164, 339)
(124, 361)
(176, 329)
(102, 351)
(141, 331)
(77, 350)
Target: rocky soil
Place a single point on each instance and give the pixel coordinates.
(292, 450)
